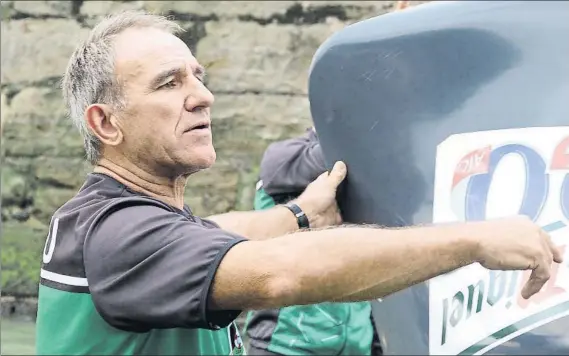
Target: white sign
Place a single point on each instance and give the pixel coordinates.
(491, 174)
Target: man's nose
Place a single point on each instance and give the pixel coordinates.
(199, 97)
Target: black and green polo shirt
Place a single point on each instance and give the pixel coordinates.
(125, 274)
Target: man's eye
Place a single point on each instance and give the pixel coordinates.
(171, 84)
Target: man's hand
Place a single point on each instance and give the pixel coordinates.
(517, 243)
(318, 201)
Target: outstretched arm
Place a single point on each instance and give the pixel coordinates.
(355, 263)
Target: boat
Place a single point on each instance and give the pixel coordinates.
(455, 111)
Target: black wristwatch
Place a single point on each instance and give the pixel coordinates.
(301, 217)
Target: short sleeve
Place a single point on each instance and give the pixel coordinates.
(151, 268)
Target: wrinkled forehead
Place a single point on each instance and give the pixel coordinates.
(140, 53)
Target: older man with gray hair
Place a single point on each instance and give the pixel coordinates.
(129, 269)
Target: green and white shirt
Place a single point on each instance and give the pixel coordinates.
(126, 274)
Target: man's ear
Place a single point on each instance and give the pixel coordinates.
(104, 124)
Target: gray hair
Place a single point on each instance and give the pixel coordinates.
(90, 74)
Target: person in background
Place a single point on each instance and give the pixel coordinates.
(287, 167)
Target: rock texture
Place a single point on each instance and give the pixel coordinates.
(257, 54)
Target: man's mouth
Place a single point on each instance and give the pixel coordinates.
(200, 126)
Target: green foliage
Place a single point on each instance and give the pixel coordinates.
(21, 253)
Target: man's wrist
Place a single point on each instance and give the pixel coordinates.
(473, 242)
(467, 241)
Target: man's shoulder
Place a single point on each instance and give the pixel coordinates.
(97, 195)
(101, 195)
(104, 210)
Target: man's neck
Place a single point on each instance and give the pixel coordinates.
(168, 190)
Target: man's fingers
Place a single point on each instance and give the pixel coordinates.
(557, 256)
(338, 173)
(338, 219)
(539, 276)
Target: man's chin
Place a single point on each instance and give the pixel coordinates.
(201, 161)
(208, 157)
(207, 163)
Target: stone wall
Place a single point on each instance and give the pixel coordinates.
(257, 54)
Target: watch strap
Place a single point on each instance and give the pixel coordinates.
(301, 217)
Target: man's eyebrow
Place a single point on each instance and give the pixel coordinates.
(199, 72)
(162, 76)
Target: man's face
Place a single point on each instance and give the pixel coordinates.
(166, 120)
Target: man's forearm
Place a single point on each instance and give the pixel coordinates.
(258, 225)
(341, 264)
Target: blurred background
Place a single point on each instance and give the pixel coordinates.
(257, 54)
